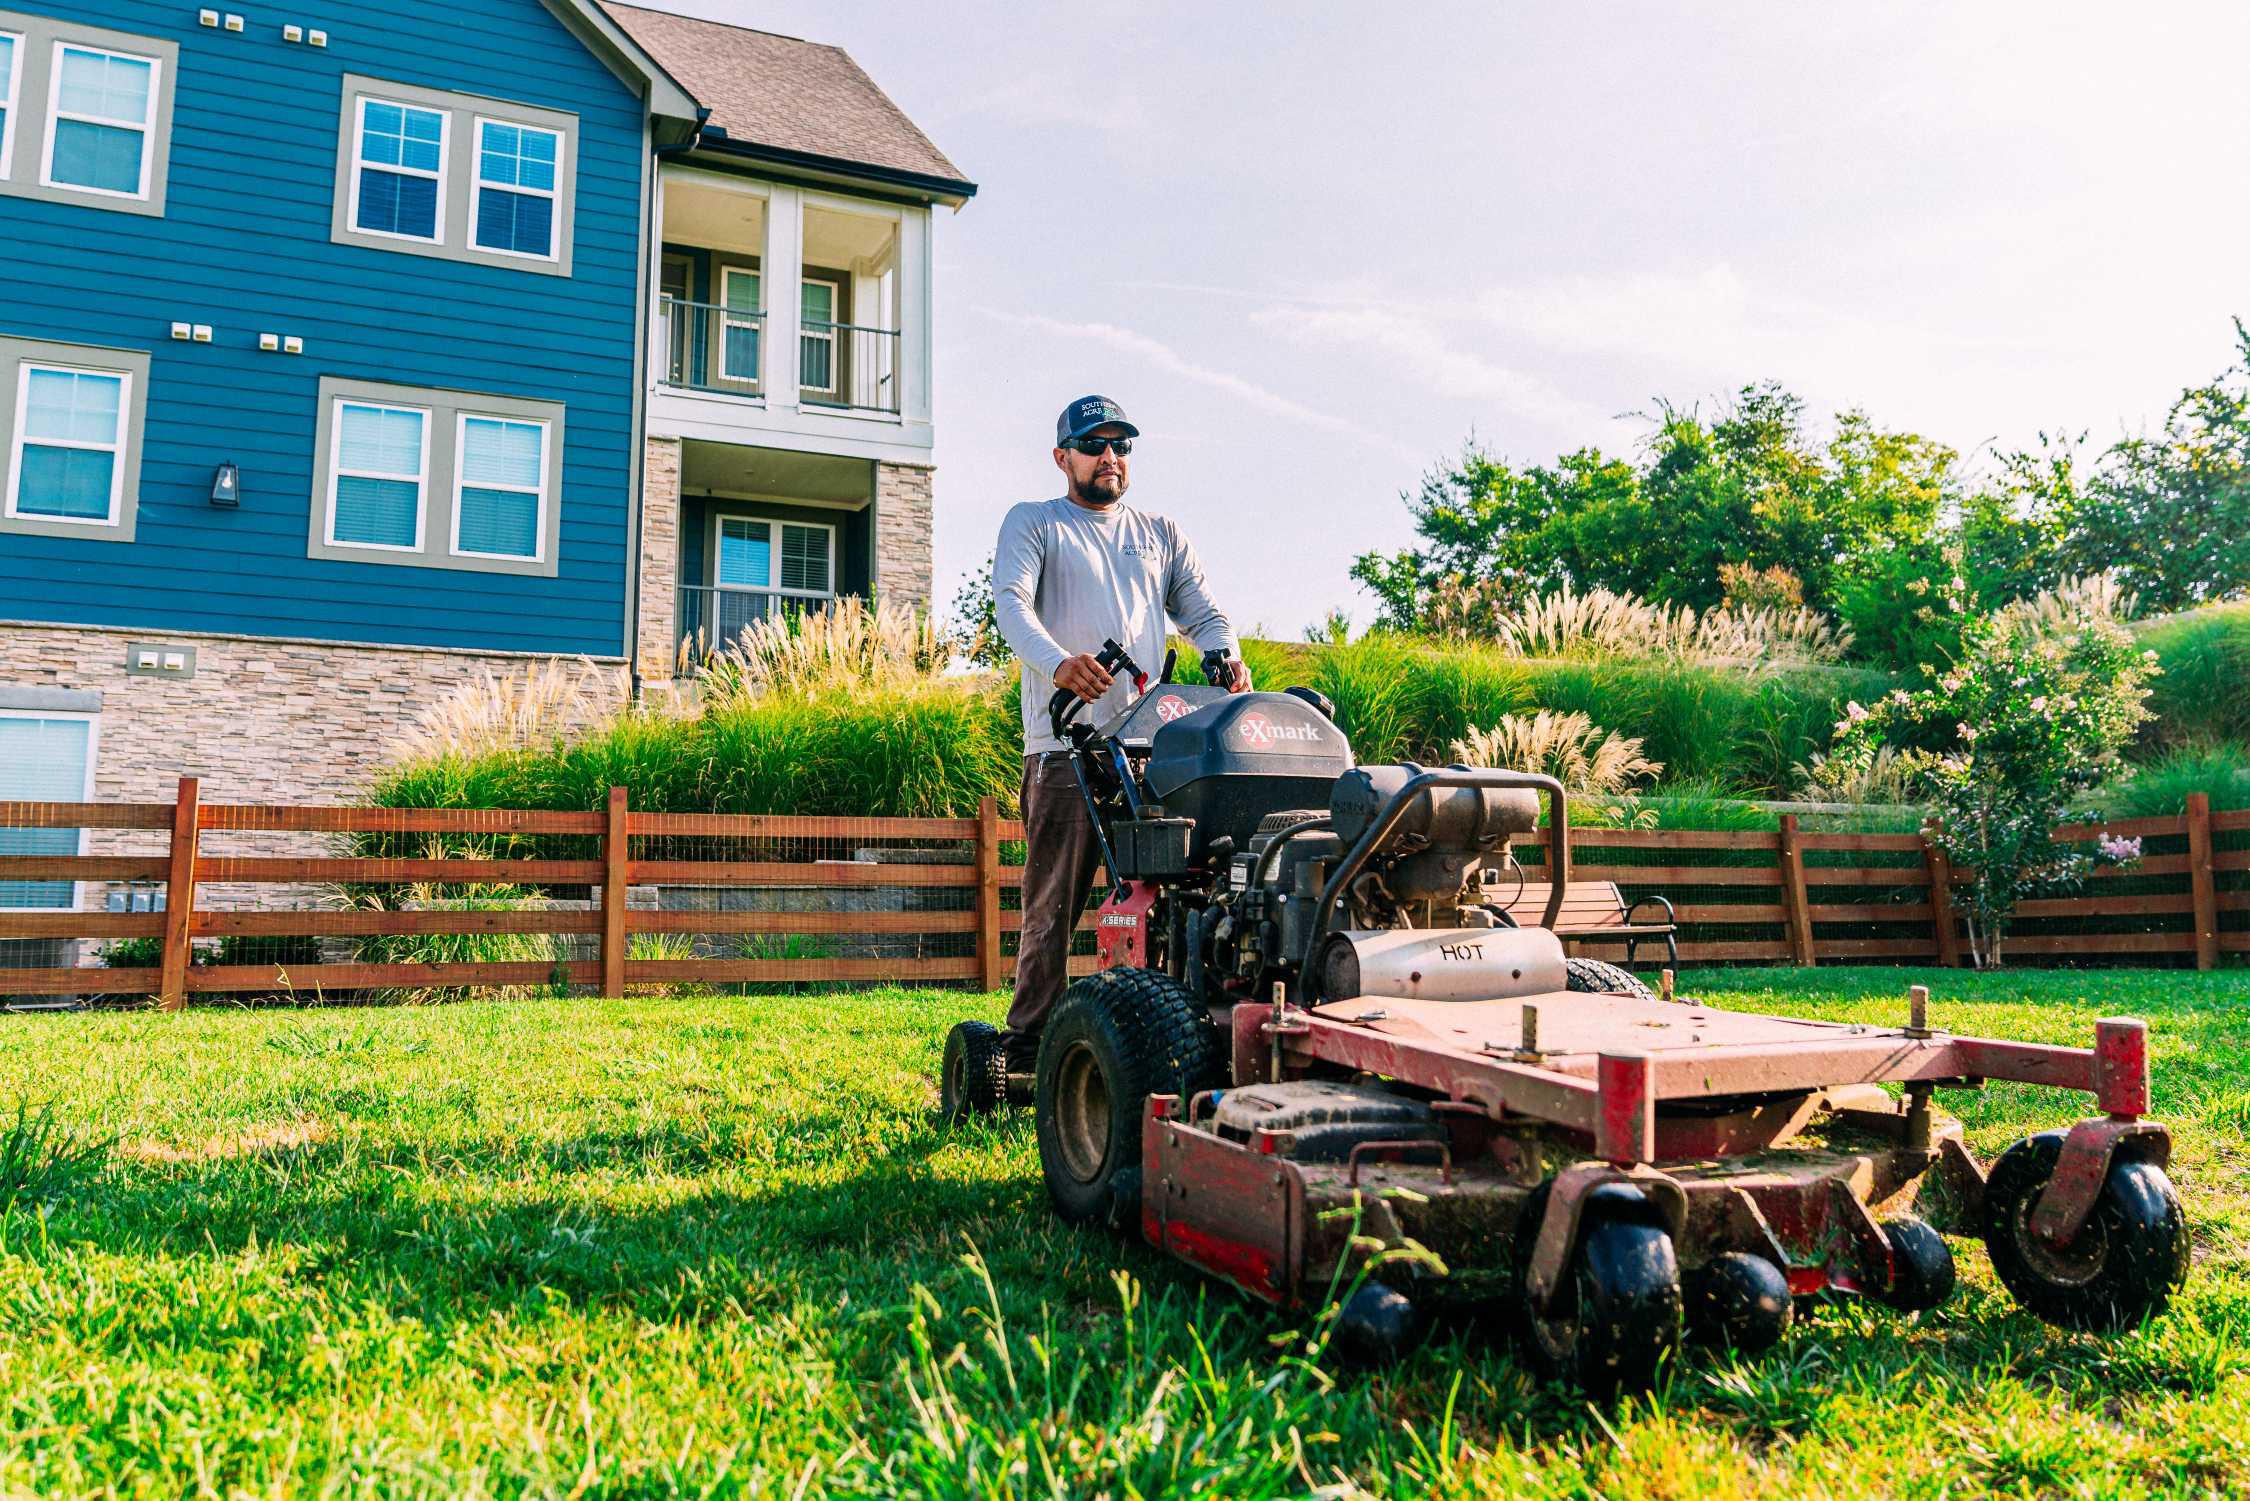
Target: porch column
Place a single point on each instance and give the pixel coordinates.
(660, 559)
(784, 293)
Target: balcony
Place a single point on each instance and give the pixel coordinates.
(712, 347)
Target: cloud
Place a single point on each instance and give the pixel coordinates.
(1161, 355)
(1418, 349)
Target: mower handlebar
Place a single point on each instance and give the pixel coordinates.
(1347, 870)
(1112, 658)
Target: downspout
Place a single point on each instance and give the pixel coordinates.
(642, 353)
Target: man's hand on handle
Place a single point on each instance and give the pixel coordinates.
(1084, 676)
(1238, 676)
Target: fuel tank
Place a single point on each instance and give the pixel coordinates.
(1442, 964)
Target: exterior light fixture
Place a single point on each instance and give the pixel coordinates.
(226, 486)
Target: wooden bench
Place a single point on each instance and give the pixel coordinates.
(1590, 909)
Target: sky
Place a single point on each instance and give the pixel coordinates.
(1313, 248)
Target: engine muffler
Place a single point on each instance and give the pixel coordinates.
(1442, 964)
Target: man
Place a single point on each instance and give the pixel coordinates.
(1069, 574)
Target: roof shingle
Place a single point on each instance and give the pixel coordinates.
(783, 92)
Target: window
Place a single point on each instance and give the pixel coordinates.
(400, 188)
(44, 758)
(99, 111)
(380, 466)
(70, 439)
(10, 44)
(85, 113)
(816, 369)
(745, 556)
(804, 559)
(501, 496)
(412, 477)
(515, 193)
(68, 460)
(456, 176)
(742, 320)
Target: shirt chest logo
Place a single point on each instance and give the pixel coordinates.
(1145, 551)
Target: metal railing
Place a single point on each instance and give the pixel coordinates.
(848, 366)
(713, 615)
(710, 347)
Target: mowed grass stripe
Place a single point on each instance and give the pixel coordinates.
(718, 1245)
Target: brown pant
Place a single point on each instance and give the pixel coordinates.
(1060, 866)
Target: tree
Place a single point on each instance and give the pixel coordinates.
(975, 627)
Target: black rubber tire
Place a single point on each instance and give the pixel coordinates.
(1129, 1033)
(2125, 1262)
(1739, 1301)
(1377, 1326)
(973, 1079)
(1922, 1275)
(1593, 976)
(1616, 1321)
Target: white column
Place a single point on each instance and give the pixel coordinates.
(784, 287)
(914, 290)
(659, 359)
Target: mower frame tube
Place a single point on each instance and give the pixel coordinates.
(1558, 850)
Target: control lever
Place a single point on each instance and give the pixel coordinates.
(1112, 659)
(1215, 669)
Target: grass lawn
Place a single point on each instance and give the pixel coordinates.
(718, 1245)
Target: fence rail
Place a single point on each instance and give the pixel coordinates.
(934, 900)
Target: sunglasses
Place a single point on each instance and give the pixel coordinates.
(1092, 447)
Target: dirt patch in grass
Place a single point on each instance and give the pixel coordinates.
(261, 1139)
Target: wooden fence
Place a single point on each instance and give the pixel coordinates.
(1777, 896)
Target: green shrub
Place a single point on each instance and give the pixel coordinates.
(132, 953)
(2203, 695)
(2160, 788)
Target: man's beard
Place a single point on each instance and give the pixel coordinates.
(1101, 490)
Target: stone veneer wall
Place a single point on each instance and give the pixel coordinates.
(660, 559)
(262, 721)
(904, 519)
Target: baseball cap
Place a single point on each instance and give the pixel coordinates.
(1087, 413)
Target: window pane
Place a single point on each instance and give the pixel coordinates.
(745, 553)
(817, 364)
(741, 352)
(383, 511)
(502, 453)
(515, 156)
(515, 221)
(383, 439)
(500, 521)
(72, 482)
(41, 761)
(99, 84)
(394, 136)
(819, 303)
(7, 65)
(741, 292)
(107, 157)
(398, 205)
(804, 558)
(73, 407)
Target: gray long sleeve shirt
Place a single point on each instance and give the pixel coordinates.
(1066, 578)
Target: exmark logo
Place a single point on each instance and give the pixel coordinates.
(1256, 729)
(1171, 706)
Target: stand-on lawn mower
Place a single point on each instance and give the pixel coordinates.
(1316, 1034)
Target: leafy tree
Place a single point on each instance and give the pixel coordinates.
(975, 627)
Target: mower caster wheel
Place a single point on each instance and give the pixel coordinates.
(974, 1078)
(1921, 1266)
(1595, 977)
(1614, 1323)
(1377, 1326)
(1740, 1302)
(2125, 1261)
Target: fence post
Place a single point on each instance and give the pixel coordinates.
(1798, 909)
(179, 898)
(615, 847)
(1940, 871)
(2202, 881)
(988, 893)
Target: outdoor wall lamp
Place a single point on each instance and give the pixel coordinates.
(226, 486)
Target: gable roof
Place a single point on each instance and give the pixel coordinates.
(792, 101)
(626, 57)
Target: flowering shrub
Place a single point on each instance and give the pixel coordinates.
(2023, 722)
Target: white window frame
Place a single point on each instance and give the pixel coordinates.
(337, 473)
(756, 324)
(93, 721)
(360, 164)
(835, 366)
(461, 421)
(719, 520)
(8, 97)
(146, 126)
(552, 195)
(115, 448)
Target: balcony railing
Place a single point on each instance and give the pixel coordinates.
(848, 366)
(713, 615)
(709, 347)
